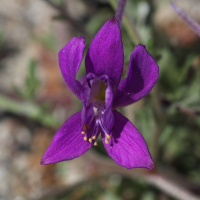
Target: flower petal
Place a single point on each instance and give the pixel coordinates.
(127, 146)
(108, 117)
(70, 57)
(68, 142)
(142, 76)
(105, 54)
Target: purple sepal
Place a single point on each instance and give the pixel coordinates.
(105, 54)
(70, 57)
(68, 142)
(142, 75)
(127, 146)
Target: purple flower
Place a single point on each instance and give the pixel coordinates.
(101, 93)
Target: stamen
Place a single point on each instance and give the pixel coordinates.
(95, 111)
(90, 140)
(108, 136)
(106, 141)
(91, 119)
(95, 144)
(94, 137)
(83, 132)
(84, 126)
(105, 130)
(85, 138)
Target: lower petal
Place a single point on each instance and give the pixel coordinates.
(68, 142)
(127, 146)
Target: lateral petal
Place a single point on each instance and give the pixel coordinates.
(105, 54)
(68, 142)
(70, 57)
(142, 75)
(127, 146)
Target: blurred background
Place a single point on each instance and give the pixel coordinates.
(35, 101)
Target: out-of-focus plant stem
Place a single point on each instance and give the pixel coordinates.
(191, 22)
(105, 167)
(120, 10)
(133, 35)
(160, 123)
(27, 109)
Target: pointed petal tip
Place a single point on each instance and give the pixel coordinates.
(113, 20)
(151, 165)
(74, 41)
(48, 159)
(46, 162)
(81, 37)
(42, 162)
(141, 45)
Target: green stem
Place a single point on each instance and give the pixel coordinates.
(27, 109)
(160, 123)
(129, 26)
(120, 10)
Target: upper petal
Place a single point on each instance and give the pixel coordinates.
(68, 142)
(142, 76)
(105, 54)
(70, 57)
(127, 146)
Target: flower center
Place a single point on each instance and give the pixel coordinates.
(97, 92)
(95, 111)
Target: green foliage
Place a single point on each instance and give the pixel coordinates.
(58, 2)
(31, 84)
(28, 109)
(1, 38)
(49, 40)
(28, 93)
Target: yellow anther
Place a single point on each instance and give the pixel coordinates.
(84, 126)
(85, 138)
(94, 137)
(106, 141)
(95, 144)
(83, 132)
(108, 136)
(90, 140)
